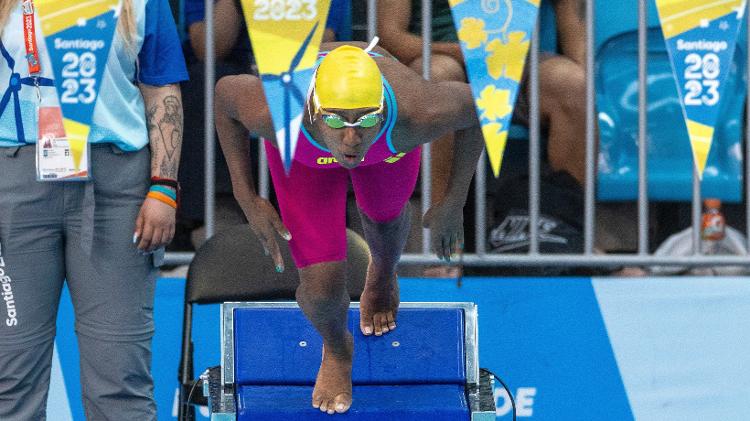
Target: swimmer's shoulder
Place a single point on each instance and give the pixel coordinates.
(243, 86)
(242, 97)
(408, 88)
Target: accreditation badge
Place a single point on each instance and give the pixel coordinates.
(54, 157)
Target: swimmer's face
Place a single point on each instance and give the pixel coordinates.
(348, 144)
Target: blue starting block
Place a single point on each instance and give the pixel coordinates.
(427, 369)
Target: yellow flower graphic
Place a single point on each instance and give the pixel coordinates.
(494, 103)
(492, 130)
(507, 59)
(453, 3)
(472, 32)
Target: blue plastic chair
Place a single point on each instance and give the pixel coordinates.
(670, 161)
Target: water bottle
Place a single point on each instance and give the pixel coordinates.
(713, 226)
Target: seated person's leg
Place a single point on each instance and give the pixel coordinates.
(563, 111)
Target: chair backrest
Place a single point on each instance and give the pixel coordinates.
(612, 18)
(231, 266)
(670, 158)
(278, 346)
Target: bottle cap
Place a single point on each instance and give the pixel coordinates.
(712, 203)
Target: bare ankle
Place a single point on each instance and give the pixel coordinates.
(342, 349)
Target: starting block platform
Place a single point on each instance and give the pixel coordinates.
(426, 369)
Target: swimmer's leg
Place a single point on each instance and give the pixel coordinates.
(323, 297)
(383, 191)
(380, 298)
(313, 207)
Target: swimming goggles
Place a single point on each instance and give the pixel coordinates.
(367, 121)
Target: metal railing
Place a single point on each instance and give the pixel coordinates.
(533, 257)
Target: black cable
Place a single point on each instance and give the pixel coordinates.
(507, 390)
(192, 389)
(510, 395)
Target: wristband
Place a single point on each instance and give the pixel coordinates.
(169, 182)
(164, 190)
(162, 198)
(158, 181)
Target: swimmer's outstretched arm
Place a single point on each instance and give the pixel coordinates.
(241, 110)
(430, 111)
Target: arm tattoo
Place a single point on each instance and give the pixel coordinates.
(170, 125)
(150, 114)
(168, 169)
(169, 131)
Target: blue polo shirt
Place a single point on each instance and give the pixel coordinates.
(119, 116)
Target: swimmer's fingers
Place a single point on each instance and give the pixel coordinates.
(272, 244)
(441, 244)
(458, 246)
(446, 244)
(266, 223)
(267, 237)
(452, 245)
(280, 227)
(273, 247)
(444, 247)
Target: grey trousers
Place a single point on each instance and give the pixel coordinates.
(43, 243)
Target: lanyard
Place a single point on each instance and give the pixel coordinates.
(29, 36)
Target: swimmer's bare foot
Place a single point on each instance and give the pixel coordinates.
(333, 387)
(378, 306)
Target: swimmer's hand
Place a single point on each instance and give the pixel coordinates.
(265, 223)
(446, 222)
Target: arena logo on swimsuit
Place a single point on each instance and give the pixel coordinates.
(7, 292)
(327, 160)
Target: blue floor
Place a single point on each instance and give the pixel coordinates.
(567, 353)
(568, 348)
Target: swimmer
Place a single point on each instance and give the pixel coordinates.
(364, 120)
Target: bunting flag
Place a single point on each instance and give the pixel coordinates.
(701, 36)
(78, 35)
(495, 37)
(286, 36)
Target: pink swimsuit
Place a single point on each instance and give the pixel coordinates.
(312, 199)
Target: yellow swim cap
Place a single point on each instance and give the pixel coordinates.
(348, 78)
